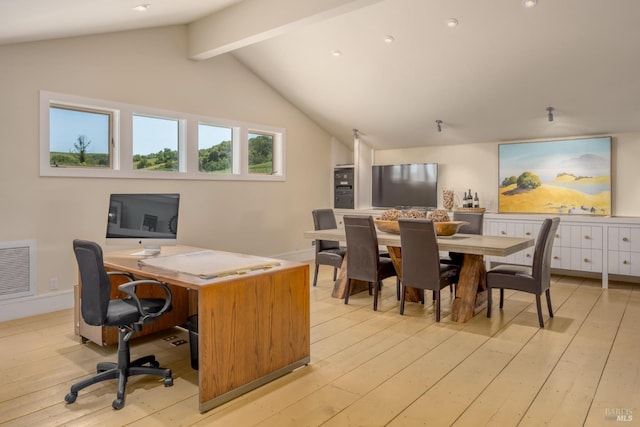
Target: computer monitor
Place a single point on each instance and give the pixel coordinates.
(146, 220)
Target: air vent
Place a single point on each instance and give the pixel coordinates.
(17, 269)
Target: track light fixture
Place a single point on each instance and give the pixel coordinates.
(439, 125)
(355, 134)
(550, 114)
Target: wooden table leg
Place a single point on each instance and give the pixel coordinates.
(471, 292)
(340, 285)
(411, 294)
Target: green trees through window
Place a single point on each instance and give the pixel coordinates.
(79, 138)
(260, 153)
(82, 137)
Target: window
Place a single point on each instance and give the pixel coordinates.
(83, 137)
(155, 143)
(79, 137)
(260, 153)
(215, 149)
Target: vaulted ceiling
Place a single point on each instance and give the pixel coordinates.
(490, 78)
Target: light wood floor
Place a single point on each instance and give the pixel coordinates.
(367, 368)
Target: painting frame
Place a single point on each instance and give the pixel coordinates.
(564, 176)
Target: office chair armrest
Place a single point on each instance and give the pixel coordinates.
(121, 273)
(130, 289)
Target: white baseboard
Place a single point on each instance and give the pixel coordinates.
(39, 304)
(298, 256)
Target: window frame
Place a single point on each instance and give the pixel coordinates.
(122, 143)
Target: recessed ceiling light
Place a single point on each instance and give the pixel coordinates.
(142, 7)
(529, 3)
(388, 38)
(336, 52)
(452, 22)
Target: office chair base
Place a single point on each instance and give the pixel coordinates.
(111, 370)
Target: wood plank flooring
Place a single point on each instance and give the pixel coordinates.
(367, 368)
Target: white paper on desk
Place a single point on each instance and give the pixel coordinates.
(210, 264)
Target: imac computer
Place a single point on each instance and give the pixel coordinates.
(146, 220)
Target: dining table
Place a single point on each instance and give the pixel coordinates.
(471, 289)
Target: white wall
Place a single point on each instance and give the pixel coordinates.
(150, 68)
(475, 166)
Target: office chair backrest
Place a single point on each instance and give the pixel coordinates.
(324, 219)
(541, 267)
(362, 248)
(96, 286)
(475, 220)
(420, 256)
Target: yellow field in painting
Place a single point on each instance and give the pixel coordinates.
(548, 198)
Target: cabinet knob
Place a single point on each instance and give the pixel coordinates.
(528, 233)
(587, 237)
(625, 262)
(503, 232)
(556, 257)
(558, 236)
(624, 239)
(528, 255)
(586, 260)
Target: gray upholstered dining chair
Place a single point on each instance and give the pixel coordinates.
(328, 252)
(475, 224)
(421, 267)
(535, 279)
(363, 257)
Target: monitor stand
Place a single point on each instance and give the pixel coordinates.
(148, 251)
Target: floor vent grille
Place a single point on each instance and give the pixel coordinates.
(17, 269)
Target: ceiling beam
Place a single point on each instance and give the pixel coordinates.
(253, 21)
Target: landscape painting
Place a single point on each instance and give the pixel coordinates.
(560, 177)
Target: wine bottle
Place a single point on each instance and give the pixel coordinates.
(470, 200)
(464, 200)
(476, 201)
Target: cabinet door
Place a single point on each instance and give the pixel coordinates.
(594, 236)
(634, 263)
(634, 239)
(563, 236)
(590, 260)
(561, 258)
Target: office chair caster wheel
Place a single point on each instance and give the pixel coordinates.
(71, 397)
(168, 382)
(118, 404)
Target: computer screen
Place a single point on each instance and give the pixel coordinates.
(146, 220)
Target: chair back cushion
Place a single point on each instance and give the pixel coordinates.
(420, 256)
(324, 219)
(96, 286)
(362, 248)
(475, 220)
(541, 267)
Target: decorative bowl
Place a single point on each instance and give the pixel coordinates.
(387, 226)
(448, 228)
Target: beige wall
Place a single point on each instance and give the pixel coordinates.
(461, 167)
(150, 68)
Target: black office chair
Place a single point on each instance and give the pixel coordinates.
(364, 261)
(328, 252)
(421, 267)
(128, 314)
(535, 279)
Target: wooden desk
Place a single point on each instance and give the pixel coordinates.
(471, 289)
(252, 327)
